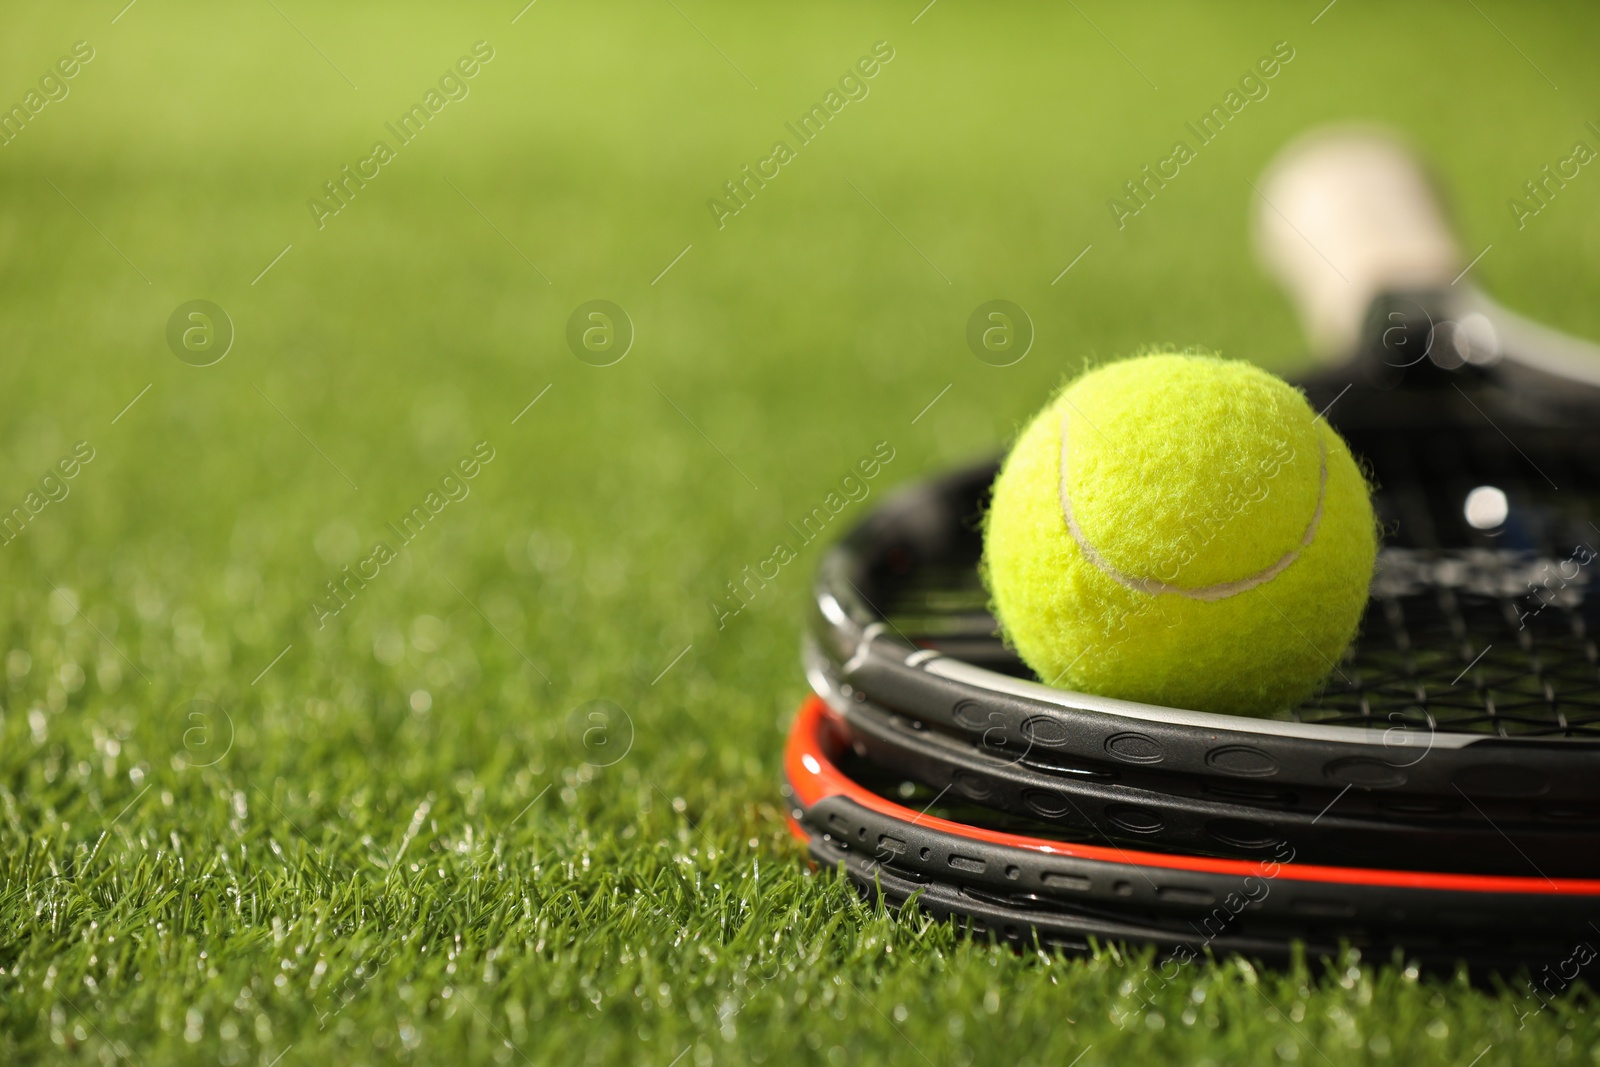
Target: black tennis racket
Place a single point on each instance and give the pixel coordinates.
(852, 806)
(1474, 689)
(1192, 815)
(1438, 793)
(1024, 922)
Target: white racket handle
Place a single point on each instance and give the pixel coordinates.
(1343, 214)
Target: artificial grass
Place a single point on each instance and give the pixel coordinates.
(234, 828)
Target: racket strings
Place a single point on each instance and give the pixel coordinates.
(1468, 630)
(1481, 630)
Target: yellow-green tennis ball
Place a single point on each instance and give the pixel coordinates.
(1181, 530)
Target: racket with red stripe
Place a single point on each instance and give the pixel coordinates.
(1473, 691)
(1277, 898)
(1444, 779)
(1185, 814)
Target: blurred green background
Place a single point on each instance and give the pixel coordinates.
(200, 857)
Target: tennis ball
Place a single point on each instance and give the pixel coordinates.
(1180, 530)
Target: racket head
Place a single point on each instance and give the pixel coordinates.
(1028, 924)
(1278, 897)
(1475, 677)
(1099, 804)
(1457, 700)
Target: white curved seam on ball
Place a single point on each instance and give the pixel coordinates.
(1219, 591)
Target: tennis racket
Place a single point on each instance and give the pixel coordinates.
(1474, 690)
(1458, 738)
(1185, 814)
(849, 806)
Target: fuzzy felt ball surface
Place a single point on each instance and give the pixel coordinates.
(1180, 530)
